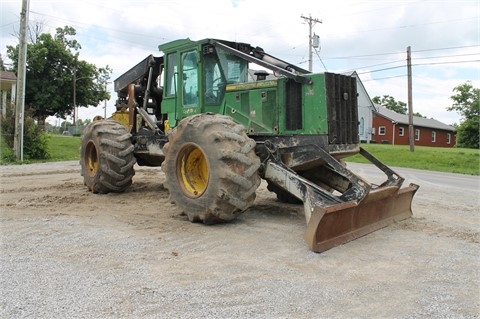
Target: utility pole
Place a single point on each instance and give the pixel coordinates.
(21, 74)
(311, 22)
(75, 96)
(105, 106)
(411, 136)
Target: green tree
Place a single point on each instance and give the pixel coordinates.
(53, 65)
(466, 102)
(418, 114)
(84, 122)
(390, 103)
(2, 65)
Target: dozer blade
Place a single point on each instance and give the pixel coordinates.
(361, 208)
(335, 225)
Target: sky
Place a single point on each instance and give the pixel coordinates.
(369, 37)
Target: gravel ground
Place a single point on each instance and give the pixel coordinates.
(67, 253)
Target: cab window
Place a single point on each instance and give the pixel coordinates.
(214, 81)
(234, 68)
(171, 75)
(190, 78)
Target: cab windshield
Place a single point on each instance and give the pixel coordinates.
(221, 69)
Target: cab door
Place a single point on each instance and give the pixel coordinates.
(189, 84)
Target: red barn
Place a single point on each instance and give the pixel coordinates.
(390, 127)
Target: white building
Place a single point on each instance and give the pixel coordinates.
(8, 83)
(365, 112)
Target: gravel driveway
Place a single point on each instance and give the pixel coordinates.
(67, 253)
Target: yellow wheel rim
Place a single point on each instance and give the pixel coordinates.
(192, 170)
(91, 159)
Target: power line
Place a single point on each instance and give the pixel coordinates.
(7, 24)
(450, 48)
(423, 58)
(370, 66)
(97, 26)
(318, 54)
(417, 64)
(361, 56)
(449, 62)
(399, 52)
(386, 78)
(447, 56)
(384, 69)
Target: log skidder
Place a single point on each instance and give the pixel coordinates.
(217, 130)
(106, 157)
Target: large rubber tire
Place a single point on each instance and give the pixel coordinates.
(211, 168)
(106, 157)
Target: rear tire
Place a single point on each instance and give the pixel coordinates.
(211, 168)
(106, 157)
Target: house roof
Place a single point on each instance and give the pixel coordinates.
(417, 120)
(7, 79)
(6, 75)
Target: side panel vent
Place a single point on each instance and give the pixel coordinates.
(293, 100)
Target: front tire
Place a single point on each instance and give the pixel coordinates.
(211, 168)
(106, 157)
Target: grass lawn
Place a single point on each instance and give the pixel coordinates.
(454, 160)
(62, 148)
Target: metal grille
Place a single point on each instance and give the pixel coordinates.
(293, 119)
(342, 108)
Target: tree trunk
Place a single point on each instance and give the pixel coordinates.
(41, 122)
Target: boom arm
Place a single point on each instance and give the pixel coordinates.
(139, 71)
(261, 58)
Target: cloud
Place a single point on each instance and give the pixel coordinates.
(368, 36)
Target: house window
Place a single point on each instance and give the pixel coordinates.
(449, 138)
(434, 136)
(417, 134)
(381, 130)
(401, 131)
(362, 126)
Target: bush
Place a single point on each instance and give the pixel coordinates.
(468, 134)
(35, 140)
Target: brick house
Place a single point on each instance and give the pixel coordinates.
(390, 127)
